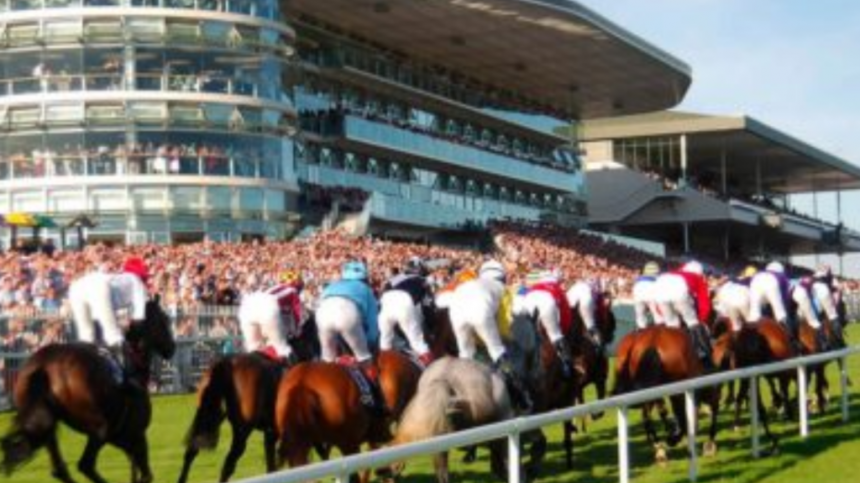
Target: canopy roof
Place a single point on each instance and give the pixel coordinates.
(786, 164)
(555, 53)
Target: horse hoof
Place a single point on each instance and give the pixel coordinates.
(710, 449)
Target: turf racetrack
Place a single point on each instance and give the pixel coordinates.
(831, 454)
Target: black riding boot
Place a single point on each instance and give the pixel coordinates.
(562, 349)
(597, 340)
(837, 334)
(118, 353)
(821, 340)
(794, 335)
(702, 341)
(518, 391)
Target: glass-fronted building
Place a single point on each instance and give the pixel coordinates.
(171, 120)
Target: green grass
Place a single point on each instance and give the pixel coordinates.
(830, 454)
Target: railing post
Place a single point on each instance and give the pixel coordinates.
(690, 399)
(801, 401)
(843, 384)
(754, 416)
(514, 458)
(623, 447)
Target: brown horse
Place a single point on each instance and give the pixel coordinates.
(242, 389)
(810, 345)
(74, 384)
(320, 404)
(661, 355)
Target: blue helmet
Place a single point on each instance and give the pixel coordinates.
(354, 271)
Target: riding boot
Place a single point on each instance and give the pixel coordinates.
(838, 334)
(701, 339)
(289, 361)
(597, 339)
(371, 372)
(118, 353)
(520, 395)
(821, 340)
(794, 335)
(564, 354)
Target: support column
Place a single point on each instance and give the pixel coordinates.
(724, 168)
(684, 161)
(686, 238)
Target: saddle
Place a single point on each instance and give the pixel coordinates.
(114, 365)
(370, 397)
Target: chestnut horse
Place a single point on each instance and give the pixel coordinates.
(319, 404)
(242, 389)
(661, 355)
(75, 384)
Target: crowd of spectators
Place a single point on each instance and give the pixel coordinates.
(206, 277)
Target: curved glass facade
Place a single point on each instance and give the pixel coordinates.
(153, 116)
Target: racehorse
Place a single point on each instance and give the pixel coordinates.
(77, 385)
(242, 389)
(810, 345)
(661, 355)
(456, 394)
(319, 404)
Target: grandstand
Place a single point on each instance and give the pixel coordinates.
(716, 185)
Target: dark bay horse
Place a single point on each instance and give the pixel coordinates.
(242, 389)
(74, 384)
(810, 345)
(319, 404)
(661, 355)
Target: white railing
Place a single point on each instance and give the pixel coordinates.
(341, 469)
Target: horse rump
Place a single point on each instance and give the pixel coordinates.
(34, 422)
(205, 430)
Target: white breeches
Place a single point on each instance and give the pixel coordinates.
(645, 303)
(90, 299)
(398, 310)
(733, 302)
(764, 290)
(581, 298)
(674, 300)
(804, 307)
(824, 297)
(548, 314)
(473, 312)
(443, 299)
(338, 316)
(261, 324)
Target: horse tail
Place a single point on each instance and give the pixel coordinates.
(650, 371)
(205, 428)
(34, 422)
(624, 376)
(431, 412)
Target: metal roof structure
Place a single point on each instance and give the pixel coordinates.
(553, 53)
(748, 147)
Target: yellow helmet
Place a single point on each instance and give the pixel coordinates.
(749, 271)
(292, 277)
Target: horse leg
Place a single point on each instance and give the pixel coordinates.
(440, 465)
(679, 409)
(269, 441)
(87, 464)
(785, 387)
(499, 459)
(765, 419)
(568, 443)
(650, 432)
(471, 454)
(139, 454)
(731, 398)
(780, 400)
(58, 465)
(744, 389)
(237, 449)
(190, 455)
(714, 402)
(537, 452)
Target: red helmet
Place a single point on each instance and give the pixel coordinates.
(136, 266)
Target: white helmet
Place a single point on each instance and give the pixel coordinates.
(693, 267)
(493, 270)
(775, 267)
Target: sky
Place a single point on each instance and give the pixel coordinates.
(793, 64)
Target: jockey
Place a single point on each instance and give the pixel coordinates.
(825, 295)
(276, 315)
(360, 335)
(732, 300)
(582, 296)
(684, 294)
(475, 307)
(405, 299)
(546, 296)
(770, 288)
(444, 295)
(801, 298)
(644, 297)
(99, 296)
